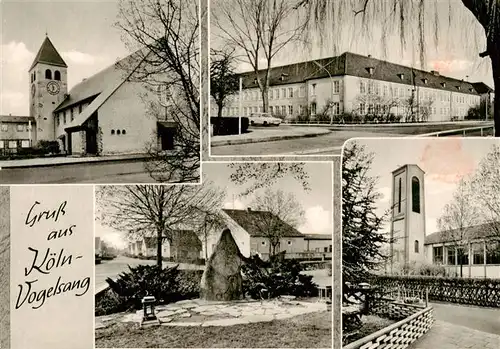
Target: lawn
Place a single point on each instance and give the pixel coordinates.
(310, 330)
(371, 324)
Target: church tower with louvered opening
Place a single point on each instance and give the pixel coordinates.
(48, 87)
(407, 216)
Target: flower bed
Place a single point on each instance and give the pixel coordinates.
(470, 291)
(413, 322)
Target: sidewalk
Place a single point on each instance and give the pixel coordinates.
(445, 335)
(268, 134)
(67, 160)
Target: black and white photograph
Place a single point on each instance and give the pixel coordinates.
(302, 77)
(242, 261)
(421, 243)
(100, 92)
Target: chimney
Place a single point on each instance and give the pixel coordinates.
(249, 209)
(435, 72)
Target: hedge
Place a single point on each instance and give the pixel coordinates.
(228, 125)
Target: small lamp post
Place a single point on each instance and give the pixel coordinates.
(148, 305)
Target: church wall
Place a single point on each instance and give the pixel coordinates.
(126, 110)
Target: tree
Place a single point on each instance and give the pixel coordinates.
(223, 81)
(408, 18)
(209, 224)
(152, 210)
(362, 241)
(164, 35)
(258, 175)
(259, 29)
(278, 208)
(457, 219)
(485, 189)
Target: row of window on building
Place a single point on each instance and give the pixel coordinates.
(453, 255)
(19, 127)
(376, 109)
(282, 110)
(14, 144)
(376, 88)
(286, 92)
(48, 75)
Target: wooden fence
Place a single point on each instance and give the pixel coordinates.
(470, 291)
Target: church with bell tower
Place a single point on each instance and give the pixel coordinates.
(407, 227)
(104, 114)
(48, 88)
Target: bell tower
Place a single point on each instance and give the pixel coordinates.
(48, 88)
(408, 216)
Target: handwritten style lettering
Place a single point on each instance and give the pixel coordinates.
(38, 298)
(50, 261)
(32, 218)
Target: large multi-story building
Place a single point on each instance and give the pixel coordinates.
(106, 113)
(358, 85)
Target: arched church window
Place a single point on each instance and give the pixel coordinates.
(416, 246)
(48, 74)
(399, 195)
(415, 195)
(57, 75)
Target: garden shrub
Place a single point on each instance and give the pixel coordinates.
(48, 147)
(277, 277)
(167, 285)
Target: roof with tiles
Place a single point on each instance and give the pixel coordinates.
(48, 54)
(17, 119)
(88, 89)
(361, 66)
(481, 231)
(249, 220)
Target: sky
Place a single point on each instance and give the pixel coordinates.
(81, 31)
(316, 203)
(444, 160)
(455, 55)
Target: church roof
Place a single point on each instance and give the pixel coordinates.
(99, 87)
(48, 54)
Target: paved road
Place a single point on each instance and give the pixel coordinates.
(104, 172)
(330, 144)
(460, 327)
(120, 264)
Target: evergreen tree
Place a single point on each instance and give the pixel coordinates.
(362, 240)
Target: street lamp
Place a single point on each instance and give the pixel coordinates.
(331, 90)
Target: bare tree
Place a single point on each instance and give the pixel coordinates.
(223, 80)
(280, 210)
(486, 189)
(458, 219)
(210, 223)
(258, 175)
(259, 29)
(152, 210)
(164, 34)
(410, 19)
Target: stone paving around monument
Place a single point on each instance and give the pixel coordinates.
(198, 312)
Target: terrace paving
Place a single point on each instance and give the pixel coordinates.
(198, 312)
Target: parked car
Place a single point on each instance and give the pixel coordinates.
(263, 119)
